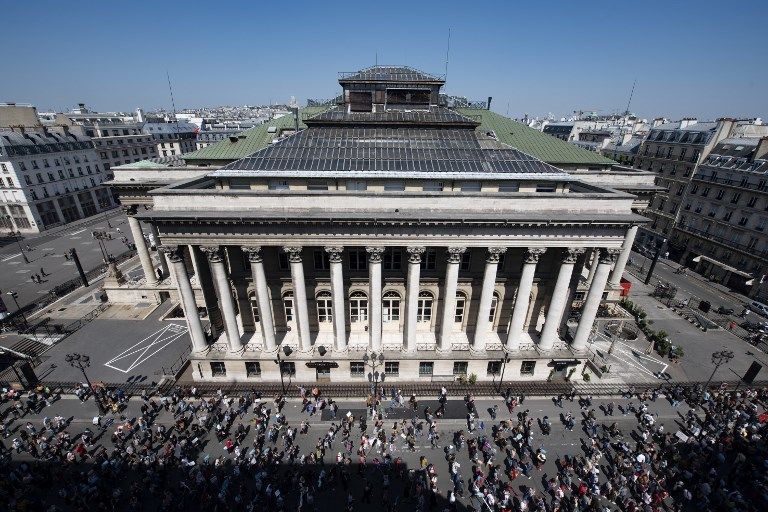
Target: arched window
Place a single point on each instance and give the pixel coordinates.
(324, 307)
(424, 307)
(288, 306)
(461, 302)
(358, 307)
(494, 307)
(390, 307)
(254, 307)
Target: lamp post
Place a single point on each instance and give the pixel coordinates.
(17, 236)
(505, 359)
(101, 237)
(374, 361)
(287, 351)
(15, 296)
(82, 362)
(103, 205)
(718, 359)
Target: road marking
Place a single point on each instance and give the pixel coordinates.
(75, 237)
(86, 243)
(77, 232)
(23, 271)
(11, 257)
(164, 336)
(41, 292)
(15, 263)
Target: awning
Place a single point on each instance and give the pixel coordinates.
(723, 266)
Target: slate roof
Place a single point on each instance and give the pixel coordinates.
(434, 116)
(389, 74)
(154, 163)
(388, 150)
(254, 139)
(528, 140)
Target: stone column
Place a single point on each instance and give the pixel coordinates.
(59, 213)
(141, 247)
(412, 296)
(205, 280)
(78, 206)
(483, 325)
(621, 261)
(156, 236)
(221, 282)
(187, 296)
(594, 297)
(558, 301)
(337, 296)
(594, 255)
(374, 298)
(572, 289)
(449, 297)
(523, 299)
(262, 298)
(299, 296)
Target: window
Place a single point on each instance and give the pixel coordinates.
(218, 369)
(466, 260)
(276, 184)
(358, 307)
(428, 259)
(751, 203)
(356, 185)
(252, 369)
(255, 309)
(527, 367)
(433, 186)
(545, 187)
(282, 261)
(390, 307)
(720, 194)
(392, 368)
(494, 307)
(321, 260)
(705, 192)
(324, 307)
(460, 367)
(743, 221)
(394, 186)
(426, 368)
(358, 259)
(736, 197)
(424, 307)
(27, 180)
(288, 306)
(509, 187)
(288, 368)
(461, 301)
(317, 185)
(393, 259)
(494, 367)
(356, 369)
(470, 186)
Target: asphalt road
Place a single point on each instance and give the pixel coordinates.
(48, 253)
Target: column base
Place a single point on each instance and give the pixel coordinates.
(202, 352)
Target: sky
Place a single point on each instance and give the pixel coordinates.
(697, 58)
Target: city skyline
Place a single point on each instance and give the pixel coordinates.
(563, 64)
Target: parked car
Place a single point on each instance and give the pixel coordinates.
(754, 326)
(759, 308)
(722, 310)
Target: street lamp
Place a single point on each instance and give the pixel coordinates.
(101, 237)
(82, 362)
(15, 296)
(103, 205)
(287, 351)
(374, 361)
(718, 359)
(17, 236)
(504, 362)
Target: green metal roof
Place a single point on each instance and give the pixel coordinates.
(255, 139)
(538, 144)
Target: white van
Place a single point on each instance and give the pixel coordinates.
(759, 308)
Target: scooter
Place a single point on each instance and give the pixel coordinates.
(546, 426)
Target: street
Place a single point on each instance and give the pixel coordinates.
(48, 254)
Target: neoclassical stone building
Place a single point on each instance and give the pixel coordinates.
(388, 225)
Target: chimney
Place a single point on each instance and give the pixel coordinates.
(489, 102)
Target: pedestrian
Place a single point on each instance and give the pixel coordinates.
(42, 272)
(493, 410)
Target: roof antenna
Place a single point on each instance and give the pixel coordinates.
(173, 103)
(447, 54)
(376, 60)
(626, 112)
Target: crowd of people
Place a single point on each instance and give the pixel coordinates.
(187, 452)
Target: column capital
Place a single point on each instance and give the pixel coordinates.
(414, 253)
(494, 254)
(374, 254)
(533, 254)
(571, 254)
(254, 253)
(609, 255)
(334, 253)
(294, 253)
(213, 252)
(171, 252)
(130, 210)
(454, 254)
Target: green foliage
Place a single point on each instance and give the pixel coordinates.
(586, 376)
(472, 378)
